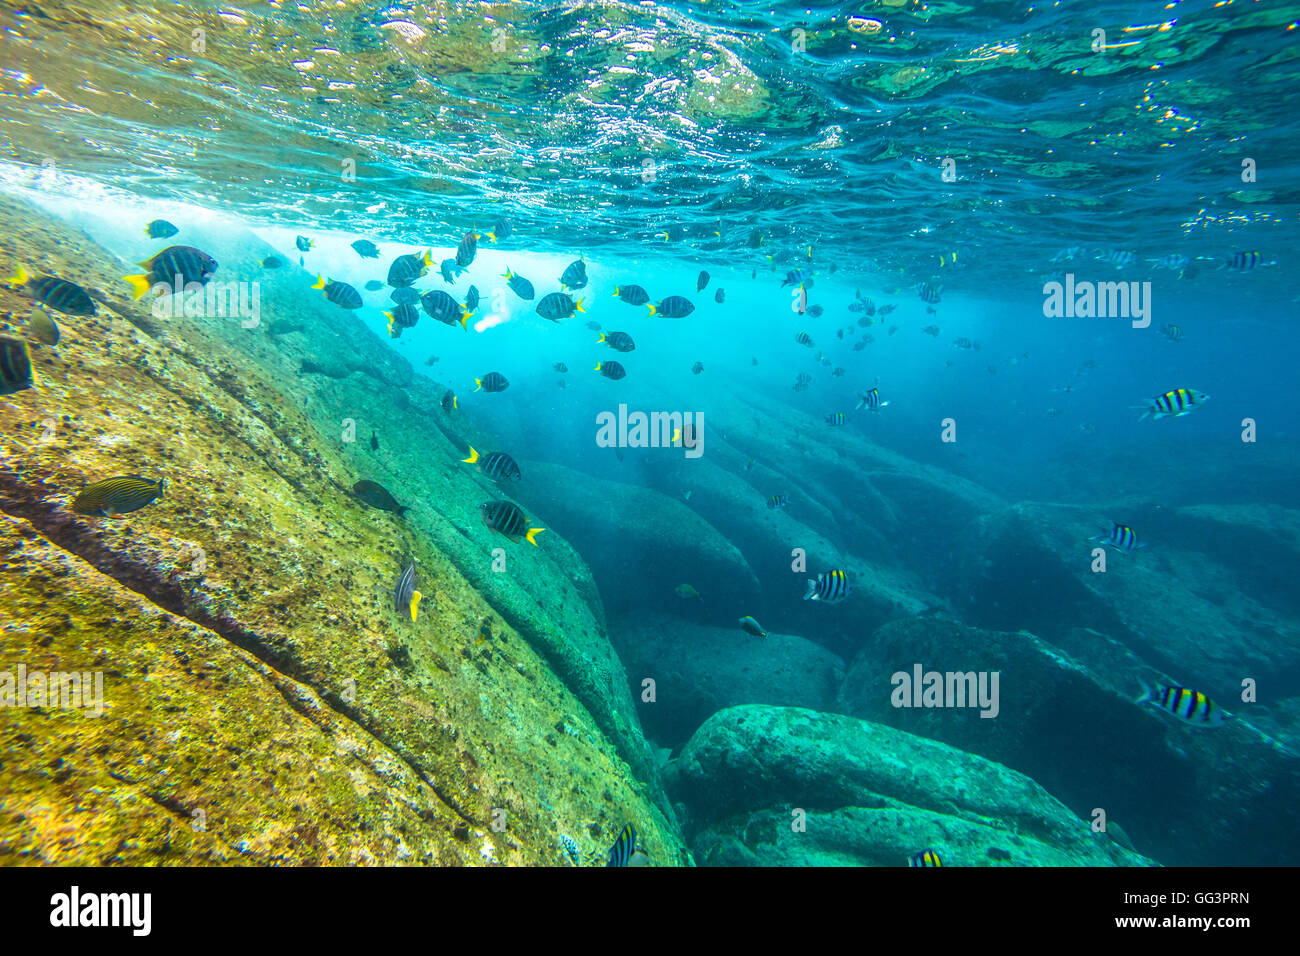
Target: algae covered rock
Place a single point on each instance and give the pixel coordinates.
(772, 786)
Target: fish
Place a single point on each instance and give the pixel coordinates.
(1244, 261)
(366, 249)
(697, 368)
(340, 293)
(1174, 333)
(1070, 254)
(406, 598)
(560, 367)
(405, 269)
(886, 309)
(492, 382)
(624, 852)
(830, 587)
(189, 264)
(449, 270)
(374, 441)
(928, 292)
(501, 230)
(803, 338)
(1119, 257)
(574, 275)
(795, 277)
(688, 593)
(471, 299)
(618, 341)
(439, 305)
(402, 295)
(448, 402)
(1173, 262)
(160, 229)
(571, 850)
(495, 464)
(632, 294)
(402, 317)
(673, 307)
(43, 327)
(374, 285)
(376, 496)
(778, 501)
(507, 519)
(836, 418)
(52, 292)
(275, 262)
(430, 360)
(1175, 403)
(303, 243)
(925, 858)
(963, 343)
(815, 311)
(838, 372)
(802, 381)
(117, 496)
(751, 626)
(594, 326)
(15, 365)
(931, 330)
(519, 285)
(1120, 536)
(557, 305)
(701, 281)
(720, 296)
(749, 465)
(467, 250)
(870, 400)
(611, 370)
(1189, 706)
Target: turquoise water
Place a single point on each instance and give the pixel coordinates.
(879, 149)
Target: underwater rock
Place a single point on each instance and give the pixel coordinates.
(396, 741)
(872, 796)
(1161, 778)
(699, 670)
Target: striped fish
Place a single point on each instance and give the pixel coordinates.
(15, 366)
(59, 294)
(117, 496)
(836, 418)
(190, 264)
(1173, 333)
(1189, 706)
(402, 317)
(925, 858)
(673, 307)
(803, 338)
(467, 250)
(624, 852)
(340, 293)
(802, 381)
(829, 586)
(632, 294)
(492, 382)
(870, 400)
(507, 519)
(1176, 403)
(928, 292)
(571, 849)
(613, 370)
(405, 596)
(406, 269)
(495, 464)
(1244, 261)
(1120, 536)
(778, 501)
(439, 305)
(618, 341)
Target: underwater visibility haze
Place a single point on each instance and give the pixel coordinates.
(649, 434)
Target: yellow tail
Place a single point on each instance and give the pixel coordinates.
(531, 535)
(507, 275)
(464, 317)
(428, 258)
(616, 292)
(415, 603)
(139, 285)
(473, 456)
(601, 339)
(492, 236)
(478, 383)
(320, 282)
(653, 310)
(21, 278)
(597, 368)
(578, 305)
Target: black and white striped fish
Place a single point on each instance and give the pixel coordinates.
(495, 464)
(778, 501)
(829, 586)
(925, 858)
(624, 852)
(836, 418)
(51, 291)
(571, 849)
(803, 338)
(506, 518)
(1120, 536)
(1189, 706)
(15, 365)
(870, 400)
(405, 597)
(1176, 403)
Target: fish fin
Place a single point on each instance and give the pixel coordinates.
(532, 535)
(478, 384)
(464, 318)
(19, 279)
(597, 368)
(812, 590)
(427, 258)
(415, 603)
(492, 236)
(616, 292)
(578, 305)
(652, 309)
(506, 274)
(320, 282)
(1146, 695)
(139, 285)
(601, 339)
(453, 402)
(473, 456)
(162, 486)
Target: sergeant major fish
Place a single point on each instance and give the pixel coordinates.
(829, 587)
(496, 464)
(506, 518)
